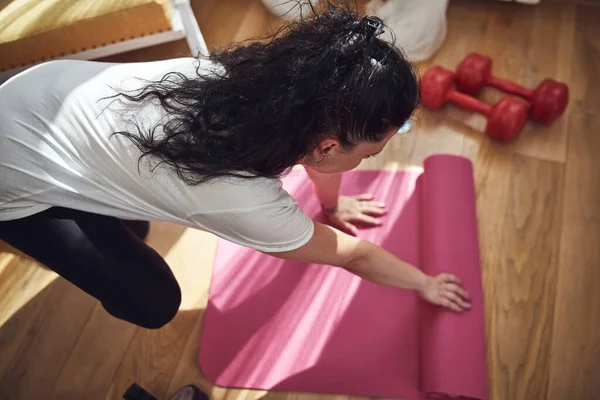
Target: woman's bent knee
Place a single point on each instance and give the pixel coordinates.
(166, 310)
(151, 311)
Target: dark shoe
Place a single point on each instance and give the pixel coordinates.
(136, 392)
(189, 392)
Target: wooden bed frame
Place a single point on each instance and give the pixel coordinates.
(184, 25)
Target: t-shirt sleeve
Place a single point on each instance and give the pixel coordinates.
(276, 226)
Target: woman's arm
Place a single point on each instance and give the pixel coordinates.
(327, 187)
(344, 211)
(331, 247)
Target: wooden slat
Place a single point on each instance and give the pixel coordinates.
(24, 289)
(586, 61)
(91, 366)
(47, 343)
(187, 370)
(522, 270)
(257, 23)
(221, 28)
(575, 356)
(21, 279)
(575, 362)
(548, 141)
(203, 10)
(152, 356)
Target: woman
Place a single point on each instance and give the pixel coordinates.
(90, 149)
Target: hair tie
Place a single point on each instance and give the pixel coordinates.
(373, 26)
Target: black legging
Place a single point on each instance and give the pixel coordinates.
(105, 257)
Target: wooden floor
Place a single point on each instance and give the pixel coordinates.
(539, 217)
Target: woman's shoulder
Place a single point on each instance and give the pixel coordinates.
(258, 213)
(246, 193)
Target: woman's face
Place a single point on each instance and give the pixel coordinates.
(331, 158)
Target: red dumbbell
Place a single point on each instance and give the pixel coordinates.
(505, 118)
(548, 100)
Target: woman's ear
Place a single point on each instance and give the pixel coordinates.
(328, 146)
(325, 148)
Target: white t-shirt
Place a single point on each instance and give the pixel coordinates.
(56, 149)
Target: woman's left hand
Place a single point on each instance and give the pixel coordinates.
(356, 209)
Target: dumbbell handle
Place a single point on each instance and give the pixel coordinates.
(469, 102)
(509, 87)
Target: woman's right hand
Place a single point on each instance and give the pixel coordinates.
(445, 290)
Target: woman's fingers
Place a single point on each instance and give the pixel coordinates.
(449, 293)
(372, 209)
(349, 228)
(377, 204)
(364, 196)
(450, 304)
(456, 299)
(366, 219)
(453, 287)
(449, 278)
(369, 207)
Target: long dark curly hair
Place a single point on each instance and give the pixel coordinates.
(323, 76)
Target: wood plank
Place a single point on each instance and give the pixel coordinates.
(493, 170)
(586, 62)
(557, 24)
(522, 271)
(187, 370)
(257, 23)
(444, 132)
(203, 10)
(221, 28)
(575, 361)
(91, 366)
(24, 289)
(48, 342)
(21, 279)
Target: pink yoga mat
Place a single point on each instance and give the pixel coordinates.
(280, 325)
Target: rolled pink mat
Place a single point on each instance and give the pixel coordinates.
(279, 325)
(453, 344)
